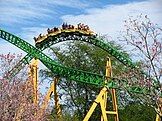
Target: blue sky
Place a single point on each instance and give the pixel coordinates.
(29, 18)
(29, 13)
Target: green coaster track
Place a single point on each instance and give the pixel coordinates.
(70, 73)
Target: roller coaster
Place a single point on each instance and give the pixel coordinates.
(83, 33)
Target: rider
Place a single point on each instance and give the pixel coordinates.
(35, 39)
(63, 26)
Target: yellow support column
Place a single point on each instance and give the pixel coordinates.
(96, 102)
(56, 98)
(34, 76)
(157, 117)
(47, 98)
(102, 99)
(113, 92)
(108, 75)
(115, 106)
(159, 110)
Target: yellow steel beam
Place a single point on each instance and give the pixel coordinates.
(111, 112)
(56, 98)
(47, 97)
(102, 99)
(33, 81)
(158, 117)
(115, 106)
(108, 75)
(103, 109)
(159, 110)
(95, 103)
(33, 73)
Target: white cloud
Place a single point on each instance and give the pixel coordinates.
(69, 3)
(21, 11)
(14, 13)
(6, 47)
(26, 34)
(109, 20)
(28, 11)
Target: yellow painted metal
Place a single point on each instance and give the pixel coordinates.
(108, 75)
(47, 98)
(111, 112)
(157, 117)
(103, 109)
(33, 82)
(33, 73)
(113, 93)
(95, 103)
(159, 110)
(115, 106)
(102, 99)
(56, 98)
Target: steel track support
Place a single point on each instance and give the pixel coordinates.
(98, 100)
(102, 99)
(158, 117)
(108, 75)
(33, 73)
(47, 97)
(115, 106)
(53, 89)
(159, 110)
(56, 98)
(159, 114)
(33, 79)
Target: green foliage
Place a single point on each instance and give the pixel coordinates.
(78, 96)
(137, 112)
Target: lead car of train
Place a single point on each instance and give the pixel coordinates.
(67, 28)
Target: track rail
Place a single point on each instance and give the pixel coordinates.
(70, 73)
(65, 36)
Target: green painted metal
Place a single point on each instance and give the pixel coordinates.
(86, 38)
(43, 45)
(21, 64)
(94, 40)
(51, 40)
(62, 71)
(59, 70)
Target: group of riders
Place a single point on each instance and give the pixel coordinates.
(65, 26)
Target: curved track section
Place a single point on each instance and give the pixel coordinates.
(92, 39)
(71, 74)
(21, 64)
(65, 35)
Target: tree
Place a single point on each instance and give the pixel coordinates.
(16, 102)
(137, 112)
(78, 97)
(145, 38)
